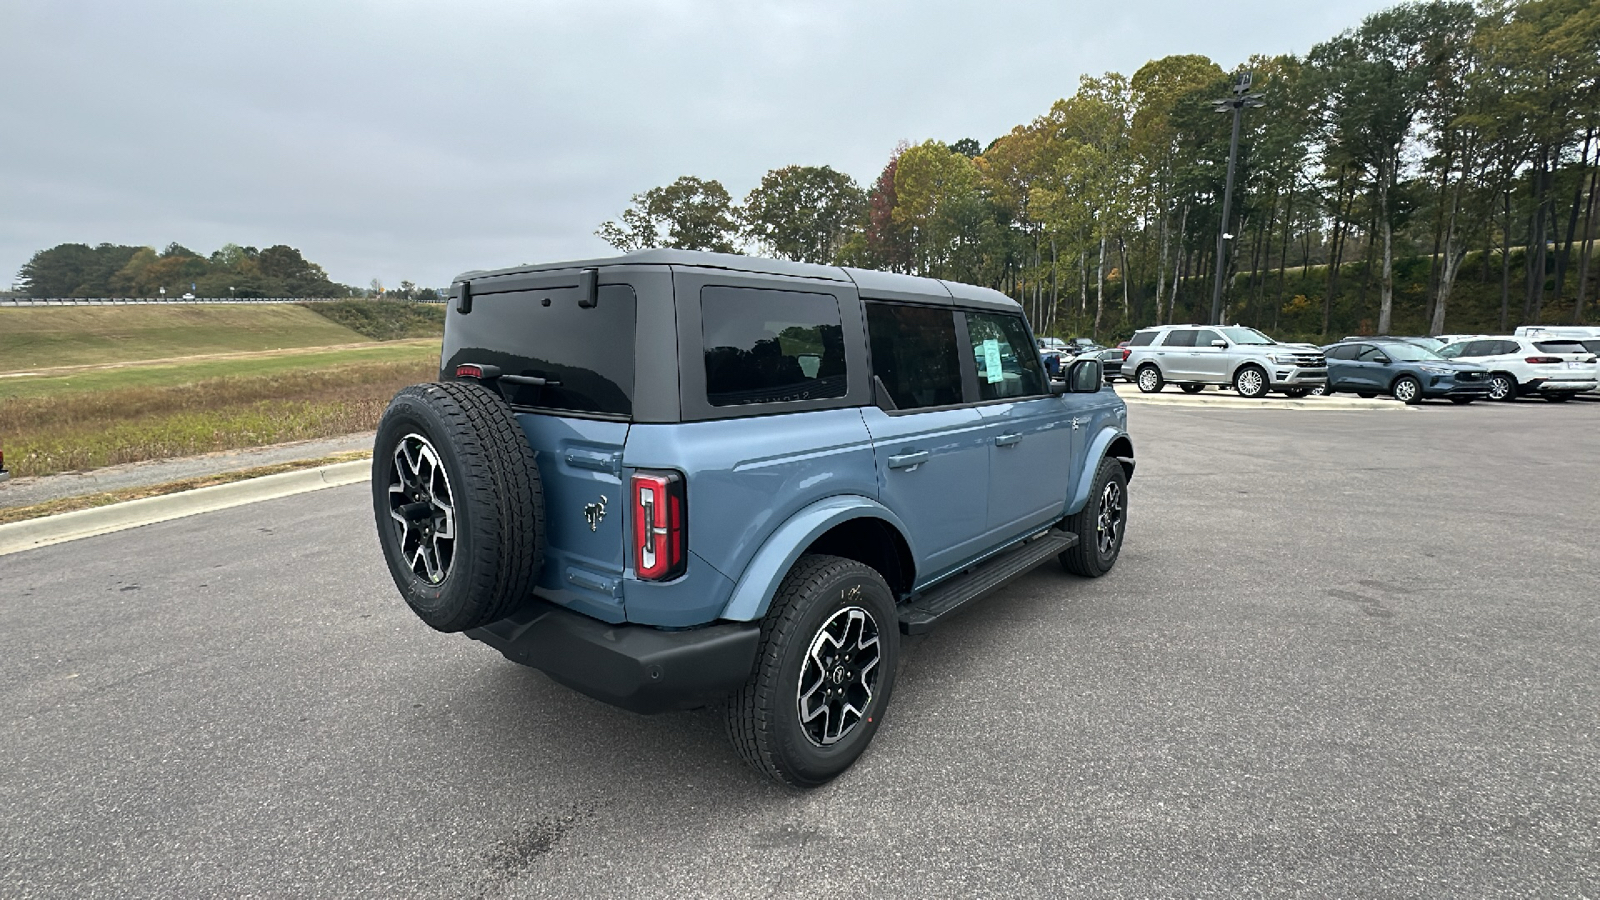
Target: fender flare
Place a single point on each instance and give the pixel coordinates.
(1099, 450)
(753, 593)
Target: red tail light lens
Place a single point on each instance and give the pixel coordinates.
(1126, 351)
(660, 525)
(469, 371)
(1544, 360)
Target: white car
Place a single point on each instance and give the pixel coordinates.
(1555, 368)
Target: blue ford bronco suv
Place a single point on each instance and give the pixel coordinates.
(674, 479)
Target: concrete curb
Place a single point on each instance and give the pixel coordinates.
(1220, 400)
(26, 535)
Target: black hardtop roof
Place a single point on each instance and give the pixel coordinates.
(870, 282)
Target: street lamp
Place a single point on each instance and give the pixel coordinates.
(1241, 100)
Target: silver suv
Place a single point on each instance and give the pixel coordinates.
(1193, 356)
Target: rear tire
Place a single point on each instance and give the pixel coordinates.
(1100, 525)
(1365, 395)
(1558, 396)
(1296, 393)
(1462, 401)
(829, 646)
(1192, 388)
(458, 504)
(1149, 378)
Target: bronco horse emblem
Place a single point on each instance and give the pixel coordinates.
(593, 513)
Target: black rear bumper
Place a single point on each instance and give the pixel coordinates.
(636, 667)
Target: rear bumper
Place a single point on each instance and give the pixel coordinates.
(1572, 385)
(635, 667)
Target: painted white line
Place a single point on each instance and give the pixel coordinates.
(1219, 399)
(26, 535)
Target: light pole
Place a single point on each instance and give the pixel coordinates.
(1241, 100)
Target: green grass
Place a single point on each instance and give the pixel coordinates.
(40, 337)
(176, 374)
(385, 320)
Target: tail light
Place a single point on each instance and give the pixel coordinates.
(1544, 360)
(660, 525)
(1126, 351)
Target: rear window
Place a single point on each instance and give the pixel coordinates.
(1142, 338)
(585, 355)
(1561, 347)
(764, 346)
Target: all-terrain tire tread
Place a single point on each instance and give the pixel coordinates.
(750, 729)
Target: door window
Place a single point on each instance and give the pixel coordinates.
(765, 346)
(1370, 353)
(1008, 366)
(1204, 338)
(1478, 348)
(1181, 337)
(915, 355)
(1343, 351)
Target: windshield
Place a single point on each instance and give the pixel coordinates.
(1408, 352)
(1240, 335)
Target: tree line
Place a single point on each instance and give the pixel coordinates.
(1431, 169)
(117, 270)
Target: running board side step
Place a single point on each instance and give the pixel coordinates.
(922, 612)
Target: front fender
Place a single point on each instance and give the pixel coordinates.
(759, 582)
(1099, 448)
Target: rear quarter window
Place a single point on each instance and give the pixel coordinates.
(1142, 338)
(771, 346)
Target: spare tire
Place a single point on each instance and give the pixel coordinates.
(458, 504)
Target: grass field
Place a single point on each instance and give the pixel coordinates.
(134, 383)
(39, 337)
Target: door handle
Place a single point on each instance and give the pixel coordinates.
(908, 460)
(1006, 440)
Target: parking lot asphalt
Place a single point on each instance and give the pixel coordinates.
(1343, 654)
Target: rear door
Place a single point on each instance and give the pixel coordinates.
(577, 421)
(1030, 430)
(930, 445)
(1176, 354)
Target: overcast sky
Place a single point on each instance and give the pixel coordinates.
(403, 140)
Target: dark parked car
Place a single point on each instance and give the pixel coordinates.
(1403, 370)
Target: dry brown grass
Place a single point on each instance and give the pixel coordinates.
(88, 429)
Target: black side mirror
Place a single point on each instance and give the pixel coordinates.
(1086, 376)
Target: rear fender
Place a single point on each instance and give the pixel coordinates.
(753, 593)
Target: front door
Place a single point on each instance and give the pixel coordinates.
(1030, 430)
(1208, 363)
(929, 445)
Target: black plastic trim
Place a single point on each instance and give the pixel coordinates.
(635, 667)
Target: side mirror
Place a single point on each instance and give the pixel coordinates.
(1381, 360)
(1220, 344)
(1086, 376)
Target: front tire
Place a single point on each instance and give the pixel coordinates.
(824, 673)
(1192, 388)
(1462, 401)
(1502, 387)
(1100, 525)
(1407, 390)
(1251, 382)
(1558, 396)
(1296, 393)
(1149, 378)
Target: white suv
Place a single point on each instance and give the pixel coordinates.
(1555, 368)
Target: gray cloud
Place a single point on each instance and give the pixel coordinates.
(409, 140)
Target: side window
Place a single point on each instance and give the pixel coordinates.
(766, 346)
(1452, 351)
(1478, 348)
(1007, 363)
(1179, 337)
(915, 355)
(1204, 338)
(1343, 351)
(1369, 353)
(1505, 347)
(1142, 338)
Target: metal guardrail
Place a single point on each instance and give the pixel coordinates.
(169, 301)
